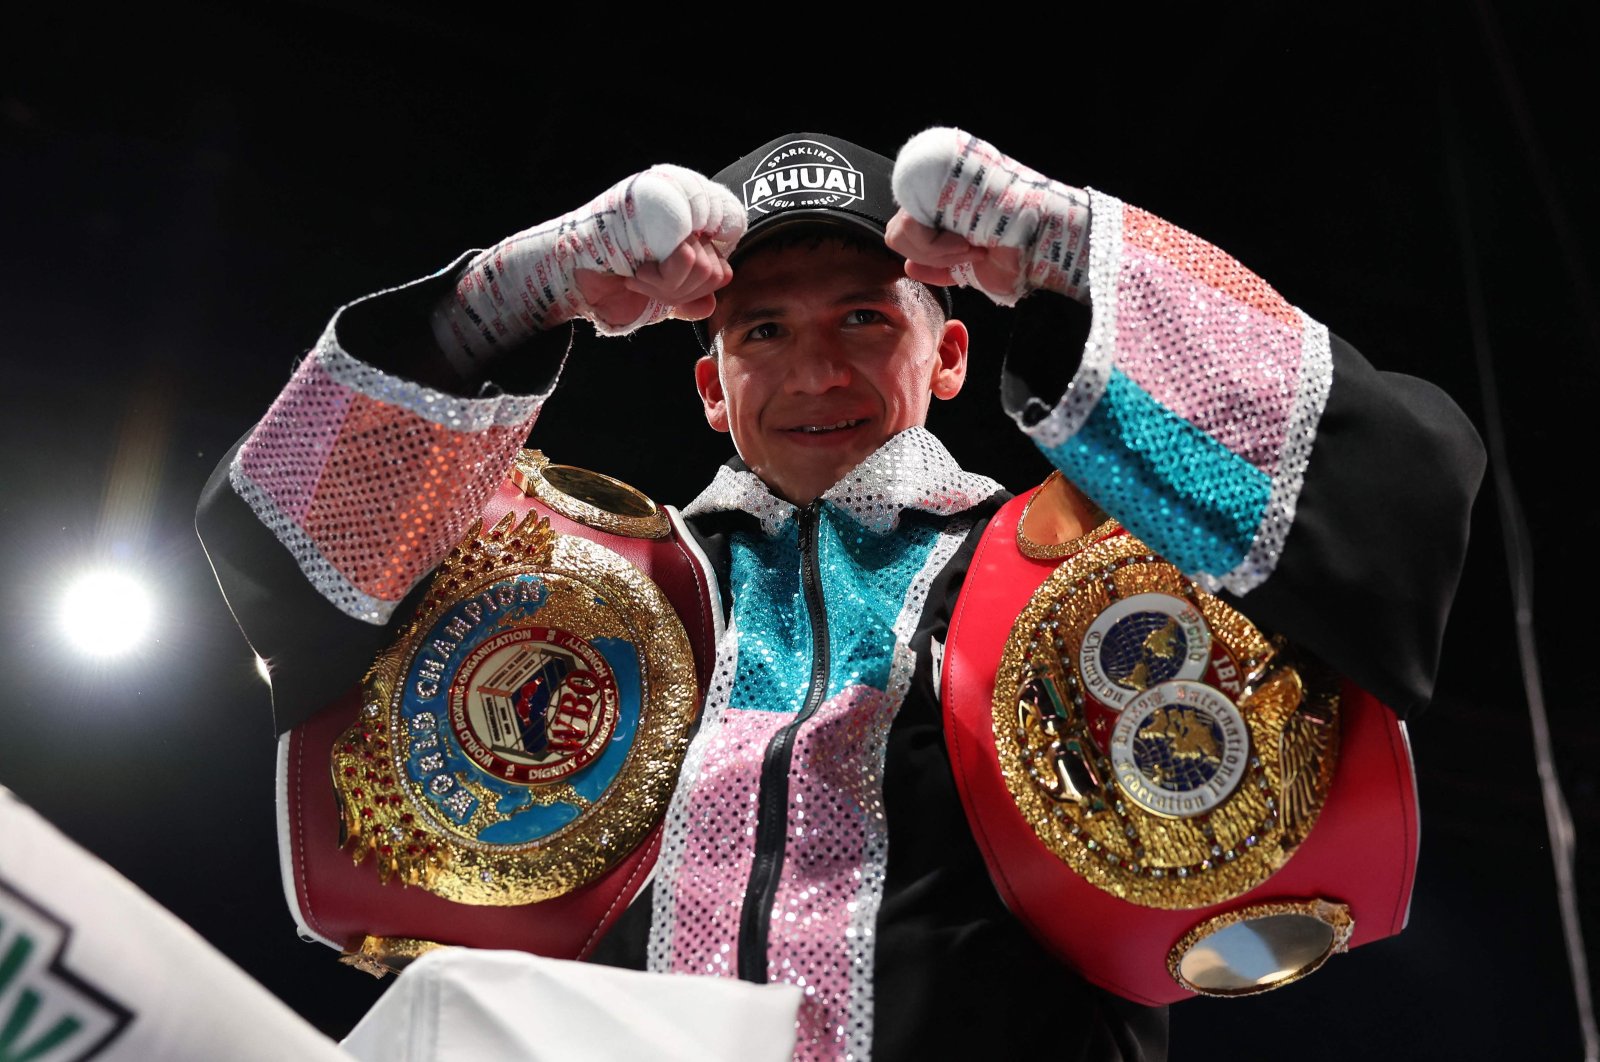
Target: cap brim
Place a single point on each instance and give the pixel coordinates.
(819, 218)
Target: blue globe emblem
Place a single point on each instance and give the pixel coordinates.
(1142, 649)
(1178, 748)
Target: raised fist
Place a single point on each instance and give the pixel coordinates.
(650, 247)
(970, 215)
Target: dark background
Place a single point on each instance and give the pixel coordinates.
(185, 203)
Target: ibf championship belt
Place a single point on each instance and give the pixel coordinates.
(499, 777)
(1170, 800)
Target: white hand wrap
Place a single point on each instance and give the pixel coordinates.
(952, 181)
(526, 282)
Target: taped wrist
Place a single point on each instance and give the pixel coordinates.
(527, 282)
(952, 181)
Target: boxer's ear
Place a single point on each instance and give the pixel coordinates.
(708, 381)
(951, 371)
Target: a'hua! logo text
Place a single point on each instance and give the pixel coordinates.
(803, 173)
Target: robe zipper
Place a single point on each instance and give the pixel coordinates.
(772, 805)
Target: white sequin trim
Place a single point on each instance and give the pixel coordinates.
(449, 411)
(742, 491)
(1094, 371)
(912, 470)
(318, 570)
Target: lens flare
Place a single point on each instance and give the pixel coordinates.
(106, 613)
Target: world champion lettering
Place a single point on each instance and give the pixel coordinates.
(430, 669)
(431, 764)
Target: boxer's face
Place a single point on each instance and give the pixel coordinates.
(826, 351)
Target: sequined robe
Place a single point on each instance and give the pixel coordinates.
(827, 631)
(815, 835)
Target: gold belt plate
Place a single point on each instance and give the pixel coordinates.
(1153, 738)
(525, 732)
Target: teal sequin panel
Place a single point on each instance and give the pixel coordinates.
(1183, 493)
(865, 578)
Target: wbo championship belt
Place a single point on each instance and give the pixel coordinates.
(1173, 802)
(499, 777)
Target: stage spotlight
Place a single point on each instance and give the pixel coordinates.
(106, 613)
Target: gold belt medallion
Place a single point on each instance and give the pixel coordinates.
(525, 731)
(1153, 738)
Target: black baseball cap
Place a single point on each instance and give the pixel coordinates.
(809, 179)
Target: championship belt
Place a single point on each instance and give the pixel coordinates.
(1167, 798)
(499, 777)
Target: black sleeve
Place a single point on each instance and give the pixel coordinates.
(1370, 566)
(393, 331)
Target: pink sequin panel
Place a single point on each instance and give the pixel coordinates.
(721, 821)
(285, 454)
(1207, 264)
(826, 903)
(369, 494)
(399, 491)
(1227, 366)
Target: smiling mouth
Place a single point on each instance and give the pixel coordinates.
(823, 429)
